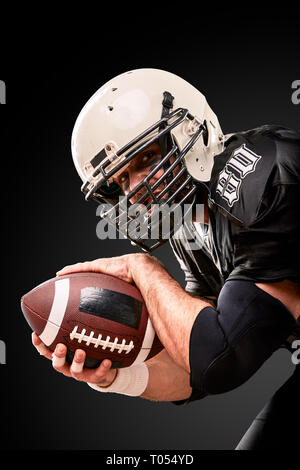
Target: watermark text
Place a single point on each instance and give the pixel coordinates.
(2, 92)
(157, 222)
(296, 354)
(296, 94)
(2, 352)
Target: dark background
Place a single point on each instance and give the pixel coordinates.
(244, 63)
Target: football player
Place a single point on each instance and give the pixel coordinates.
(145, 138)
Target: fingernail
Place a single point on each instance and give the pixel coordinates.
(35, 339)
(59, 350)
(58, 361)
(61, 270)
(106, 363)
(79, 356)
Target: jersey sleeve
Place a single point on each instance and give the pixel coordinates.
(268, 250)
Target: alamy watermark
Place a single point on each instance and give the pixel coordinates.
(157, 222)
(2, 352)
(296, 354)
(2, 92)
(296, 93)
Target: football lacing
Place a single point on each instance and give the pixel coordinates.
(104, 343)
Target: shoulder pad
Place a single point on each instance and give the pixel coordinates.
(241, 175)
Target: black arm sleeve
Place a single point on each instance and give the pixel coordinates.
(230, 343)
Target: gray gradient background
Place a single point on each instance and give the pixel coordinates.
(245, 67)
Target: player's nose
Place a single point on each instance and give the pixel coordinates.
(134, 180)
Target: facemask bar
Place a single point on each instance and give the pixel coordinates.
(115, 215)
(183, 114)
(148, 191)
(145, 183)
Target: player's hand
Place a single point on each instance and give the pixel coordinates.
(122, 267)
(118, 266)
(103, 375)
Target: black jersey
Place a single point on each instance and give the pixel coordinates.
(254, 210)
(254, 216)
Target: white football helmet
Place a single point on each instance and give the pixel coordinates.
(128, 114)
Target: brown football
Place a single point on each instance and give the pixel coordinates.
(103, 315)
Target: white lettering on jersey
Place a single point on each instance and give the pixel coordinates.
(243, 161)
(228, 186)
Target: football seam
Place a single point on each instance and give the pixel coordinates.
(66, 332)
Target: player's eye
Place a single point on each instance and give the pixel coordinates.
(123, 181)
(147, 157)
(123, 178)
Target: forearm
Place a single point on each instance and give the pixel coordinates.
(171, 309)
(167, 380)
(159, 379)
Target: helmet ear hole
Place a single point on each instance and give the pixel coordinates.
(205, 135)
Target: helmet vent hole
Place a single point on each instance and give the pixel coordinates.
(110, 108)
(114, 89)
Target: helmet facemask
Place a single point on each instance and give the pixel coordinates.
(139, 220)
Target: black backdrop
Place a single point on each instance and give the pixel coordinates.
(245, 65)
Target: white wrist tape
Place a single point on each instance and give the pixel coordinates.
(130, 381)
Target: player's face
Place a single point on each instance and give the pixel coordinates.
(139, 168)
